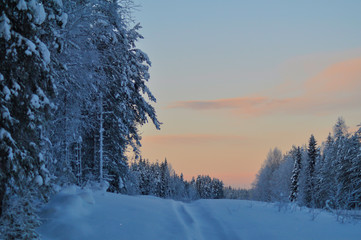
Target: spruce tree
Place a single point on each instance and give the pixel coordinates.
(312, 153)
(165, 180)
(346, 174)
(295, 174)
(355, 173)
(326, 176)
(27, 30)
(340, 128)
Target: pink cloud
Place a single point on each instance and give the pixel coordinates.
(342, 76)
(192, 139)
(336, 87)
(244, 102)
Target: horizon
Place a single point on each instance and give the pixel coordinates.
(234, 80)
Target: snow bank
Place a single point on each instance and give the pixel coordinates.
(66, 215)
(80, 214)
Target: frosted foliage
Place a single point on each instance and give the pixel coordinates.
(5, 135)
(39, 180)
(58, 2)
(5, 27)
(64, 19)
(15, 89)
(22, 5)
(25, 35)
(5, 114)
(7, 93)
(38, 11)
(31, 48)
(340, 128)
(41, 94)
(44, 52)
(31, 115)
(35, 102)
(263, 188)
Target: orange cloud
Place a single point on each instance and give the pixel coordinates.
(336, 87)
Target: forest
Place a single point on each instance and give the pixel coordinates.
(325, 175)
(73, 93)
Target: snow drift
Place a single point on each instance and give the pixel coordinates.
(84, 214)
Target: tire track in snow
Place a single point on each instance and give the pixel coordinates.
(187, 221)
(211, 227)
(199, 224)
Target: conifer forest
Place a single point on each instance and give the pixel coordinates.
(74, 93)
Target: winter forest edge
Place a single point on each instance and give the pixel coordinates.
(73, 94)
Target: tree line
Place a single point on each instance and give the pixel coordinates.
(159, 179)
(326, 175)
(73, 93)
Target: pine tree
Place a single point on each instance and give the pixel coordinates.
(295, 175)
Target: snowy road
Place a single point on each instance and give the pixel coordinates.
(84, 215)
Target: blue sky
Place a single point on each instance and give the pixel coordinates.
(237, 55)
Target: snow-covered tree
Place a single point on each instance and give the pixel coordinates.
(347, 174)
(323, 177)
(262, 186)
(101, 93)
(165, 180)
(340, 128)
(232, 193)
(209, 188)
(27, 30)
(355, 172)
(217, 189)
(326, 174)
(312, 154)
(297, 157)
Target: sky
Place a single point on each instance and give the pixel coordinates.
(234, 79)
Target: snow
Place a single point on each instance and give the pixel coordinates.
(5, 114)
(31, 48)
(7, 93)
(41, 94)
(35, 102)
(30, 114)
(44, 52)
(5, 135)
(63, 19)
(37, 11)
(22, 5)
(59, 3)
(5, 27)
(83, 214)
(39, 180)
(15, 89)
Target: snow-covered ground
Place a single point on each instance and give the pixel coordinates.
(78, 214)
